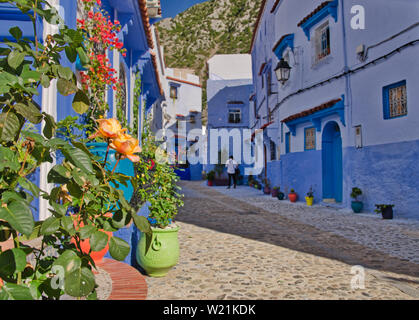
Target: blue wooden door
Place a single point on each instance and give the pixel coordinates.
(332, 162)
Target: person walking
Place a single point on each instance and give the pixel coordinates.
(232, 165)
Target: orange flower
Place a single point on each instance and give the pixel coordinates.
(108, 128)
(126, 146)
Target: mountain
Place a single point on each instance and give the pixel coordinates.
(206, 29)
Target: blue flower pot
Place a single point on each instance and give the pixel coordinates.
(357, 206)
(125, 166)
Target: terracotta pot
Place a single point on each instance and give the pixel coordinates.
(210, 183)
(97, 256)
(293, 197)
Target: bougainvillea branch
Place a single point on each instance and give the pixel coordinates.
(101, 36)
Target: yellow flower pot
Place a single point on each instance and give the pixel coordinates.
(309, 201)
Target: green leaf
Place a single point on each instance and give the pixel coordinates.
(17, 292)
(19, 216)
(59, 174)
(65, 73)
(118, 248)
(50, 126)
(78, 158)
(16, 32)
(29, 111)
(74, 189)
(29, 185)
(12, 261)
(82, 55)
(71, 54)
(58, 208)
(68, 225)
(9, 126)
(142, 224)
(36, 233)
(80, 282)
(45, 81)
(8, 159)
(50, 226)
(87, 231)
(98, 241)
(15, 58)
(66, 87)
(69, 260)
(81, 103)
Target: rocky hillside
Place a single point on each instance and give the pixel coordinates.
(212, 27)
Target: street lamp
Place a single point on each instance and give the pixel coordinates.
(282, 71)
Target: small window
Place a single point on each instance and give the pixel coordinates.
(288, 142)
(173, 92)
(273, 150)
(395, 100)
(310, 139)
(322, 42)
(234, 116)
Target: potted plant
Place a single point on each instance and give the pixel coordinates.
(275, 192)
(293, 196)
(211, 178)
(310, 197)
(386, 210)
(267, 186)
(281, 195)
(356, 204)
(158, 251)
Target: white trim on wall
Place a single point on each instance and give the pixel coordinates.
(49, 105)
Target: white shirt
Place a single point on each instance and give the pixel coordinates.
(231, 166)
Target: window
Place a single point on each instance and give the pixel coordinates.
(173, 92)
(288, 142)
(234, 116)
(395, 100)
(310, 139)
(273, 150)
(322, 42)
(192, 119)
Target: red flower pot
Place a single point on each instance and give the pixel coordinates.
(210, 183)
(97, 256)
(293, 197)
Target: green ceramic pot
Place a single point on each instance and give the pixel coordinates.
(159, 252)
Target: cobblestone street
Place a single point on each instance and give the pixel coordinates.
(240, 244)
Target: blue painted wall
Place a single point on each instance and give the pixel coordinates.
(385, 166)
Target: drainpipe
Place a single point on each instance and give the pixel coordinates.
(348, 90)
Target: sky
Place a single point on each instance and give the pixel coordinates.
(171, 8)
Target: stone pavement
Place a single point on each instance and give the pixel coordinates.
(239, 244)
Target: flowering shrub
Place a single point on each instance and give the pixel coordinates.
(100, 35)
(84, 204)
(156, 183)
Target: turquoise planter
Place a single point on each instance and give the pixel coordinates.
(357, 206)
(124, 166)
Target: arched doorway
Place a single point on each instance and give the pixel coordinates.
(332, 162)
